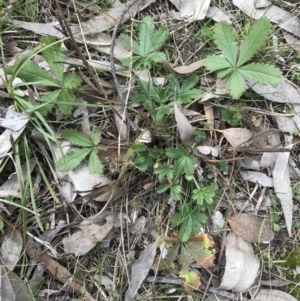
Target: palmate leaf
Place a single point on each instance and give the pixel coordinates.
(159, 37)
(65, 102)
(255, 39)
(236, 84)
(146, 30)
(34, 74)
(77, 138)
(72, 81)
(48, 101)
(53, 55)
(215, 63)
(95, 165)
(226, 41)
(72, 159)
(261, 73)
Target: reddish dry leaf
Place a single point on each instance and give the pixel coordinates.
(58, 272)
(251, 228)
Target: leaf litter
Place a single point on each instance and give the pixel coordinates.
(253, 152)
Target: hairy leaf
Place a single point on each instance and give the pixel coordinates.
(226, 41)
(191, 279)
(72, 159)
(47, 102)
(255, 39)
(261, 73)
(77, 138)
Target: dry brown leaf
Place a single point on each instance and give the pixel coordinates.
(241, 264)
(140, 270)
(284, 19)
(185, 129)
(218, 15)
(59, 273)
(11, 248)
(251, 228)
(237, 136)
(273, 295)
(12, 120)
(86, 239)
(190, 9)
(257, 177)
(184, 69)
(13, 287)
(283, 189)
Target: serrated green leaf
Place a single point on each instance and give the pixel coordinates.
(236, 84)
(146, 30)
(34, 74)
(72, 159)
(157, 57)
(162, 188)
(174, 153)
(185, 230)
(214, 63)
(159, 37)
(224, 72)
(95, 165)
(95, 136)
(261, 73)
(226, 41)
(254, 40)
(47, 102)
(72, 81)
(77, 138)
(125, 41)
(190, 82)
(53, 55)
(175, 191)
(65, 102)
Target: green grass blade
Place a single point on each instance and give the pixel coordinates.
(30, 184)
(255, 40)
(226, 41)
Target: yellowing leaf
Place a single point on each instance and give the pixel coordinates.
(191, 280)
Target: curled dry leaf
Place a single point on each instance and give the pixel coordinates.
(273, 295)
(84, 240)
(186, 131)
(251, 228)
(184, 69)
(241, 264)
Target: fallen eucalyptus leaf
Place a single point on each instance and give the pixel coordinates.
(241, 265)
